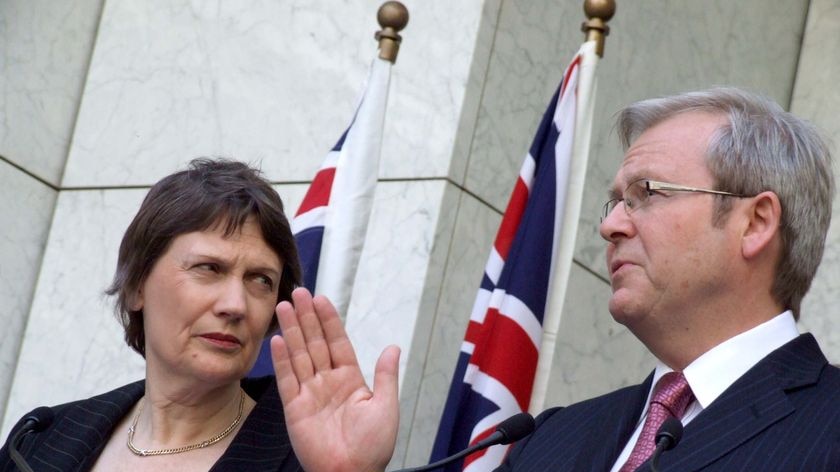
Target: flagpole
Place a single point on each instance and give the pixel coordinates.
(356, 171)
(331, 223)
(598, 12)
(392, 17)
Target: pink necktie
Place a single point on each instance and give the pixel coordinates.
(670, 398)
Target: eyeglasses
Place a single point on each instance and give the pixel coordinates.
(638, 194)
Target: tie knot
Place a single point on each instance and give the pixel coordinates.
(673, 392)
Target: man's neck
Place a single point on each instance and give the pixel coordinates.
(695, 332)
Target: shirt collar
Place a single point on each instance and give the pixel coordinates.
(714, 371)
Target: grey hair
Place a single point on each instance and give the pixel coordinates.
(762, 148)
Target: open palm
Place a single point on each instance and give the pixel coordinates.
(336, 423)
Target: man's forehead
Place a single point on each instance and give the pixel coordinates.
(673, 147)
(638, 166)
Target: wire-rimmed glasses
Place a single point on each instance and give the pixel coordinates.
(638, 194)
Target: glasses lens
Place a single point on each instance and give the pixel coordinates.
(636, 195)
(608, 208)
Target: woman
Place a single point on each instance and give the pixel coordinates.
(201, 268)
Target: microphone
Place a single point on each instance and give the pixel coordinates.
(667, 438)
(40, 419)
(510, 430)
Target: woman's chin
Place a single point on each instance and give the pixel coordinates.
(216, 371)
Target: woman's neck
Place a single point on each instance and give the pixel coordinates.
(174, 416)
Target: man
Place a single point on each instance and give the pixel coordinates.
(714, 230)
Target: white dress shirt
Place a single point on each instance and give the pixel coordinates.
(713, 372)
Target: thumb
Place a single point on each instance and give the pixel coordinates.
(386, 376)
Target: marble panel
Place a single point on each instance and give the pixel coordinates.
(399, 273)
(654, 48)
(46, 50)
(433, 269)
(72, 337)
(473, 235)
(436, 87)
(817, 98)
(267, 82)
(819, 308)
(594, 354)
(26, 208)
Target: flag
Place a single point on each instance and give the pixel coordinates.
(331, 222)
(494, 375)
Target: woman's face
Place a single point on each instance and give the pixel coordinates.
(207, 304)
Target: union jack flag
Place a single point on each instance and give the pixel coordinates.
(495, 372)
(331, 222)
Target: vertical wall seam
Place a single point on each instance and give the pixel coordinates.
(808, 10)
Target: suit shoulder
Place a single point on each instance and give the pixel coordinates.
(607, 400)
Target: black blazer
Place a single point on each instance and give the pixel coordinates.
(80, 430)
(782, 415)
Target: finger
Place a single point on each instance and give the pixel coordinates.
(340, 347)
(311, 327)
(295, 342)
(287, 382)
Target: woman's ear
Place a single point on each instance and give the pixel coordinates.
(764, 218)
(135, 301)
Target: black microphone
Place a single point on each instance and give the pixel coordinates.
(667, 438)
(510, 430)
(40, 419)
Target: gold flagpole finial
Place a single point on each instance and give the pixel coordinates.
(392, 17)
(599, 13)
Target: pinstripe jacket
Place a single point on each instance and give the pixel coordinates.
(80, 430)
(782, 415)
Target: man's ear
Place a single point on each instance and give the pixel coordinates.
(764, 218)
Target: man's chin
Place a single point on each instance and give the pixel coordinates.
(624, 310)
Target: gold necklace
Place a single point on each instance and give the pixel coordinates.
(176, 450)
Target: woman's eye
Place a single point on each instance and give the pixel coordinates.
(207, 266)
(265, 280)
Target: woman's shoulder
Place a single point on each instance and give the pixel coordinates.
(259, 387)
(86, 421)
(115, 402)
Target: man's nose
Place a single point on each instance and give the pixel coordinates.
(617, 224)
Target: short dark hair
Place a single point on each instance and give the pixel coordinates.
(210, 192)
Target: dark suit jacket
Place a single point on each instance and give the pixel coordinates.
(80, 430)
(782, 415)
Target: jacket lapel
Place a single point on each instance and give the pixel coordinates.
(753, 403)
(262, 444)
(88, 425)
(616, 423)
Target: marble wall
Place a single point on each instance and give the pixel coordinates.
(275, 84)
(817, 98)
(43, 62)
(26, 212)
(46, 51)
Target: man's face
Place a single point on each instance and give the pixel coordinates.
(666, 255)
